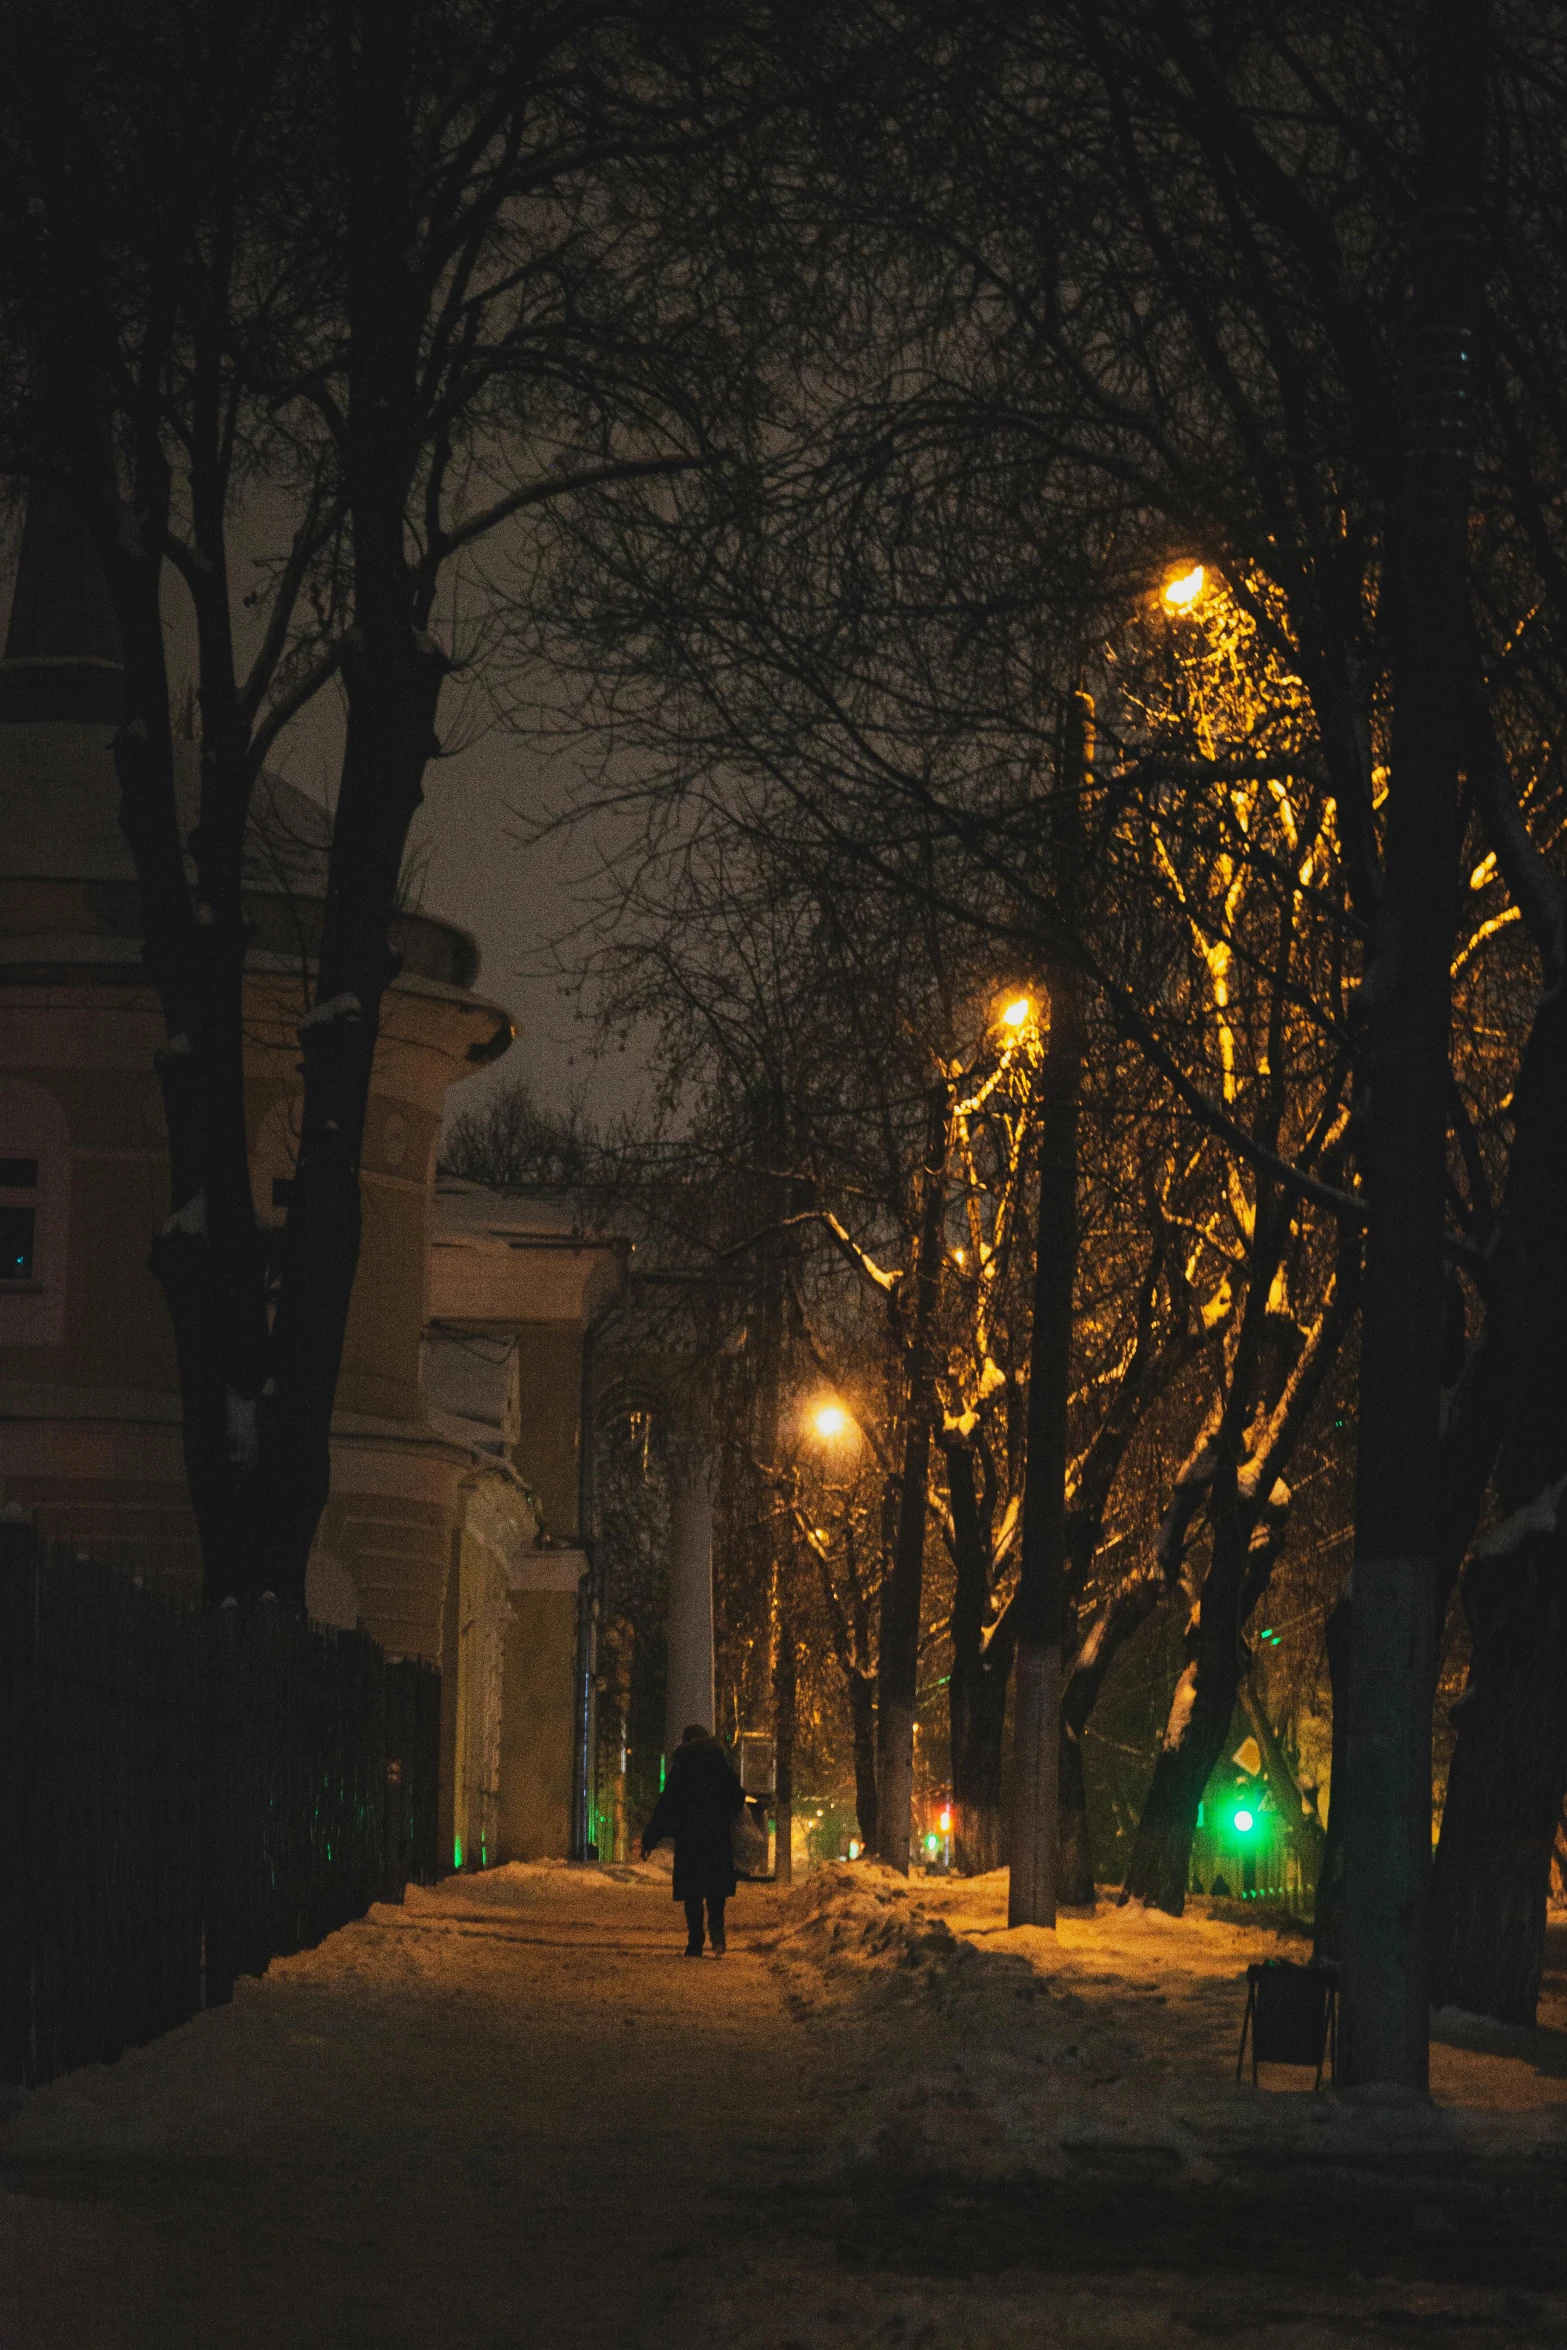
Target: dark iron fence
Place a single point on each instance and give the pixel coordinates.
(184, 1798)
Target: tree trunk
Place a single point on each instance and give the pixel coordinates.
(392, 675)
(785, 1707)
(862, 1726)
(1304, 1832)
(977, 1690)
(1127, 1606)
(1392, 1675)
(897, 1664)
(1041, 1592)
(894, 1780)
(1505, 1787)
(978, 1729)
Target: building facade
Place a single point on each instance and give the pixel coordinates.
(437, 1538)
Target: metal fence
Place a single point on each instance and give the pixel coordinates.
(184, 1798)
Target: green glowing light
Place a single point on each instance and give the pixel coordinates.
(456, 1852)
(1244, 1823)
(933, 1844)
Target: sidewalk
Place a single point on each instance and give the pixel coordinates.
(508, 2114)
(512, 2116)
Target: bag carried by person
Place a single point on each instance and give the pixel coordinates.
(749, 1843)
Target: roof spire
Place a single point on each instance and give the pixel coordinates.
(62, 650)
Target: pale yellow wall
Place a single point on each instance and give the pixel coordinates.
(549, 1368)
(537, 1726)
(416, 1061)
(89, 1421)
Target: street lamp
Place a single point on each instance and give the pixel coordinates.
(1017, 1013)
(830, 1421)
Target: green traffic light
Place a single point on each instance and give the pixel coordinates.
(1244, 1823)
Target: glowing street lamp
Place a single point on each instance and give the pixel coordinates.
(1017, 1013)
(1244, 1823)
(830, 1421)
(1182, 592)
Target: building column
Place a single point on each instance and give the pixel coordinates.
(690, 1633)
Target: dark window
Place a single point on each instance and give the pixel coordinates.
(16, 1242)
(18, 1174)
(282, 1190)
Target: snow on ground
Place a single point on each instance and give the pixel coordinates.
(1064, 2152)
(1149, 2004)
(510, 2113)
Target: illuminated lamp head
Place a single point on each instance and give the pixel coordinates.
(1244, 1823)
(1015, 1015)
(830, 1420)
(1181, 591)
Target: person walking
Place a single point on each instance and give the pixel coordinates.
(698, 1808)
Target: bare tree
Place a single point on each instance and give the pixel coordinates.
(386, 262)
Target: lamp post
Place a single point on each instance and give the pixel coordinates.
(1031, 1895)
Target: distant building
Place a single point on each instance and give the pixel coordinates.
(453, 1445)
(515, 1286)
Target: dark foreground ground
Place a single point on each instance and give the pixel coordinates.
(512, 2114)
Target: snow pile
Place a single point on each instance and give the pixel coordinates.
(1004, 2049)
(860, 1925)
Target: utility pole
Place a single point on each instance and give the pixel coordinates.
(1387, 1858)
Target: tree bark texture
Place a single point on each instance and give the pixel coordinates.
(894, 1781)
(1505, 1780)
(1392, 1669)
(1036, 1762)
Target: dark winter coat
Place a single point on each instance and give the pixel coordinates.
(698, 1807)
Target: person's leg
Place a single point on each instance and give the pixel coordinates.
(694, 1928)
(715, 1923)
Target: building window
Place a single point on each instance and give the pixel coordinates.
(18, 1219)
(35, 1198)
